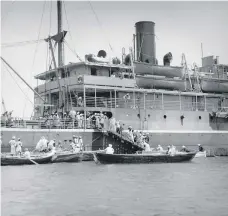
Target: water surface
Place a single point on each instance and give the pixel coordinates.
(196, 188)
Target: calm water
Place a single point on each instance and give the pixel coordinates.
(196, 188)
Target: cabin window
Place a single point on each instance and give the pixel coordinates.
(93, 71)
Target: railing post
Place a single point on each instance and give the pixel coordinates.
(196, 103)
(84, 95)
(115, 98)
(111, 97)
(144, 100)
(95, 97)
(162, 101)
(180, 101)
(134, 99)
(205, 103)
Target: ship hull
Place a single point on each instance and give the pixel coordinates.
(95, 140)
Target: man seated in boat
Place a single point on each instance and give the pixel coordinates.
(200, 148)
(18, 147)
(51, 144)
(42, 144)
(172, 150)
(12, 144)
(75, 139)
(184, 149)
(109, 149)
(159, 148)
(27, 153)
(146, 146)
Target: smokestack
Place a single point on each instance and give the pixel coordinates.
(145, 42)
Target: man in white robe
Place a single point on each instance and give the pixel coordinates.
(12, 143)
(109, 149)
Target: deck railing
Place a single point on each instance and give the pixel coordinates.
(100, 102)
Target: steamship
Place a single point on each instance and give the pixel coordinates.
(172, 104)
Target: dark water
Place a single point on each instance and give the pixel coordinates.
(196, 188)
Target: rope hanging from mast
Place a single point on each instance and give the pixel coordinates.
(100, 25)
(70, 34)
(41, 21)
(18, 85)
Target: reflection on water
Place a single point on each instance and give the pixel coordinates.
(84, 189)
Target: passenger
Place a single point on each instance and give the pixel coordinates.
(130, 134)
(172, 150)
(75, 140)
(146, 146)
(71, 143)
(159, 148)
(109, 149)
(118, 127)
(12, 143)
(18, 147)
(51, 144)
(27, 153)
(201, 149)
(102, 121)
(59, 145)
(81, 121)
(184, 149)
(80, 143)
(78, 119)
(168, 148)
(42, 144)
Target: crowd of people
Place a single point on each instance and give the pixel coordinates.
(75, 119)
(76, 144)
(44, 145)
(16, 146)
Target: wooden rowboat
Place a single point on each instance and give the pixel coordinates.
(142, 158)
(7, 160)
(201, 154)
(69, 157)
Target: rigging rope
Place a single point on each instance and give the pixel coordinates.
(21, 43)
(73, 51)
(70, 32)
(18, 85)
(41, 21)
(100, 25)
(6, 14)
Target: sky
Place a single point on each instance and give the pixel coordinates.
(180, 27)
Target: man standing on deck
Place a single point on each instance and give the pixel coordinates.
(12, 143)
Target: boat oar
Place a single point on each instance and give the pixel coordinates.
(33, 161)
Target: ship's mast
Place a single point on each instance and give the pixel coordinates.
(60, 42)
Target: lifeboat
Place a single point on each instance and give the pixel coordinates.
(142, 68)
(161, 82)
(214, 85)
